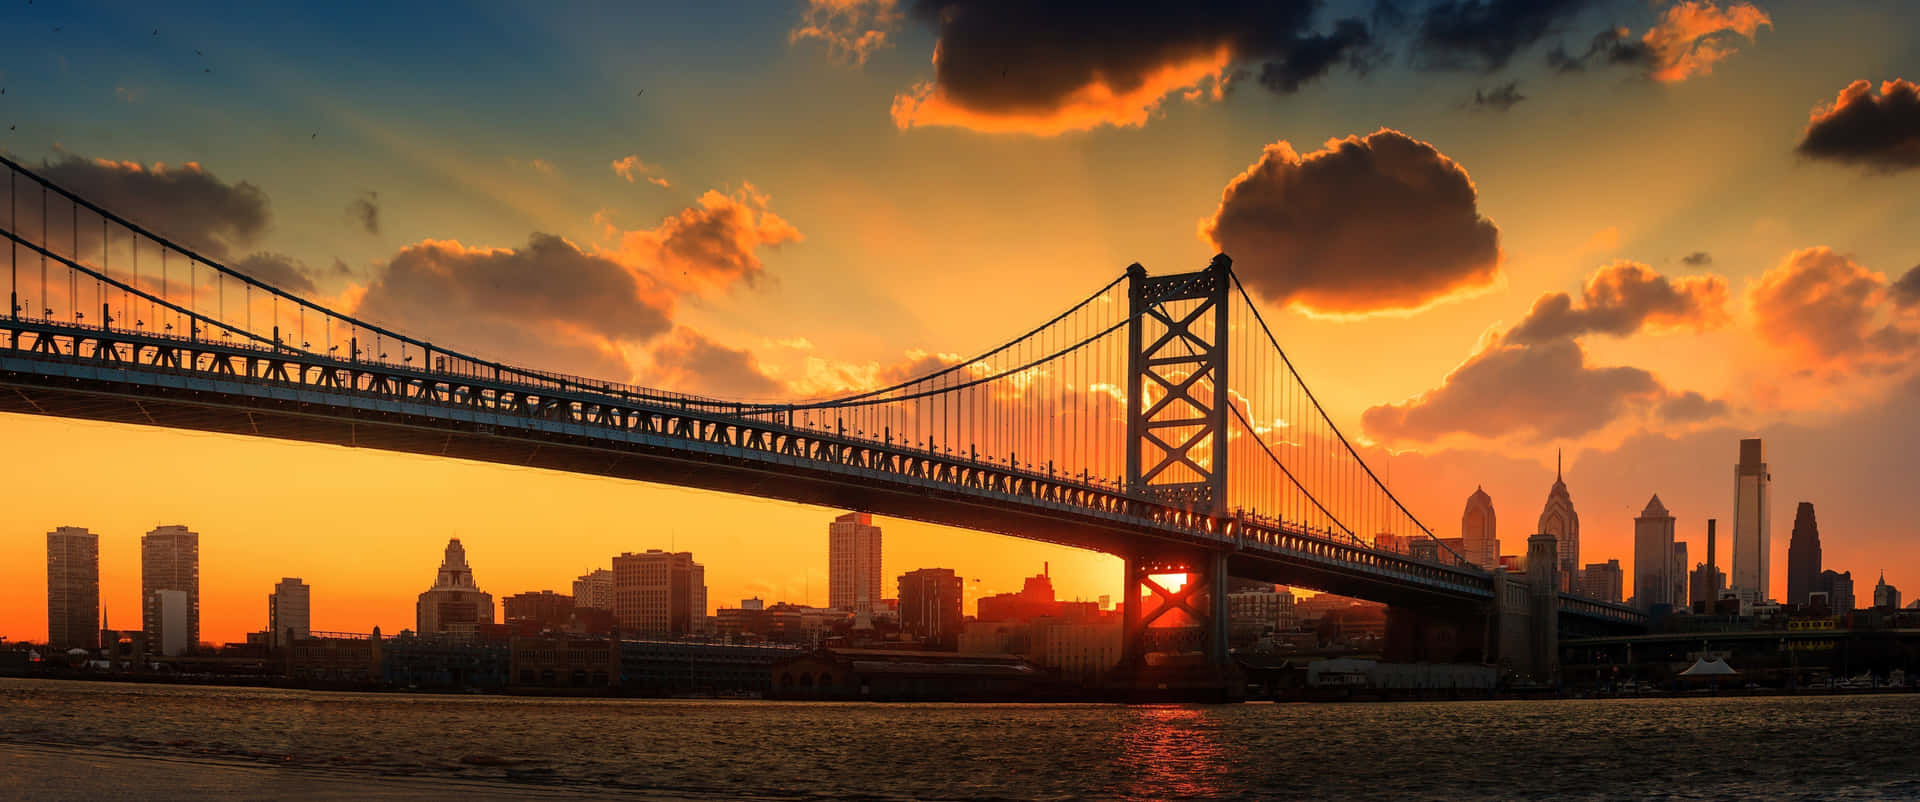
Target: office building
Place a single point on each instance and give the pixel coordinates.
(1477, 531)
(1559, 520)
(659, 594)
(1838, 585)
(594, 589)
(1604, 581)
(1751, 499)
(541, 612)
(173, 628)
(1678, 597)
(1705, 586)
(170, 560)
(1653, 566)
(1258, 611)
(455, 605)
(73, 589)
(930, 605)
(1803, 555)
(289, 611)
(1884, 595)
(853, 564)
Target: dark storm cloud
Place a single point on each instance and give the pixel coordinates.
(1485, 34)
(1622, 298)
(1697, 259)
(1880, 133)
(186, 204)
(1608, 48)
(1384, 222)
(1500, 98)
(364, 211)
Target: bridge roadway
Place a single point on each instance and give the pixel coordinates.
(564, 424)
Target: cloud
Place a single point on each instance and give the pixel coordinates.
(1906, 291)
(851, 29)
(186, 204)
(632, 168)
(1693, 35)
(1880, 133)
(1691, 407)
(1538, 392)
(1485, 34)
(710, 247)
(1384, 222)
(1697, 259)
(1624, 298)
(1049, 68)
(364, 211)
(280, 270)
(686, 361)
(1500, 98)
(1611, 47)
(1828, 314)
(546, 303)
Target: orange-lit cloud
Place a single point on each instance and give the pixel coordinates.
(686, 361)
(1623, 298)
(710, 247)
(1881, 133)
(630, 167)
(1827, 314)
(1367, 224)
(1693, 35)
(1088, 106)
(851, 29)
(187, 204)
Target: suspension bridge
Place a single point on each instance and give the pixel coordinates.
(1158, 419)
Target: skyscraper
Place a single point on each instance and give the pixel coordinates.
(1602, 581)
(171, 614)
(853, 563)
(1559, 520)
(1653, 554)
(1750, 522)
(930, 605)
(659, 594)
(73, 589)
(455, 604)
(1885, 595)
(1838, 585)
(170, 560)
(289, 611)
(594, 589)
(1678, 598)
(1477, 532)
(1803, 555)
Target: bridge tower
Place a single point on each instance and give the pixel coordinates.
(1177, 409)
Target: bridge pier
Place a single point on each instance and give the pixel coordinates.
(1174, 630)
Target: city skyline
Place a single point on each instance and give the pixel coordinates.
(1644, 400)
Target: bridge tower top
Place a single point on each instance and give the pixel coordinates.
(1177, 402)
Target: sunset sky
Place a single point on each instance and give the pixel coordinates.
(1484, 230)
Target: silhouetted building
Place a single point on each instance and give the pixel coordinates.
(170, 560)
(1478, 535)
(173, 627)
(1653, 566)
(930, 605)
(73, 589)
(853, 564)
(1084, 649)
(1559, 520)
(1678, 598)
(289, 611)
(1838, 585)
(1705, 586)
(1035, 599)
(594, 589)
(580, 663)
(455, 604)
(659, 594)
(1886, 596)
(544, 611)
(1803, 555)
(1604, 581)
(1388, 541)
(1751, 519)
(1254, 613)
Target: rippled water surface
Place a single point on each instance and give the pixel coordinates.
(1861, 747)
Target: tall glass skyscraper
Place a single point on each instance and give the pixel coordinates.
(1751, 496)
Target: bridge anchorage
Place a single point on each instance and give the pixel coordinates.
(1170, 430)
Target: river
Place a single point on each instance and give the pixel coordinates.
(167, 741)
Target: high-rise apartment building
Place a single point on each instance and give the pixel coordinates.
(455, 605)
(1604, 581)
(170, 560)
(1751, 498)
(853, 564)
(930, 605)
(73, 589)
(1559, 520)
(1477, 531)
(1803, 555)
(289, 612)
(659, 594)
(1653, 566)
(594, 589)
